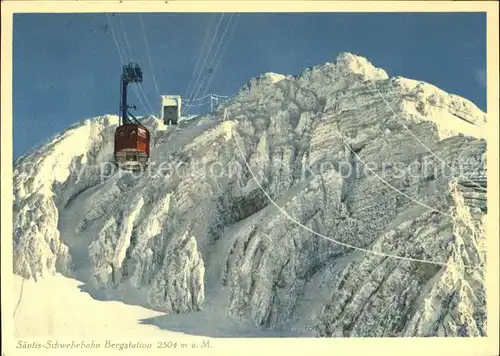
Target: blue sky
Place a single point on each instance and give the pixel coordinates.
(67, 68)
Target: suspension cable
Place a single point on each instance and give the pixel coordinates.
(139, 89)
(215, 54)
(198, 61)
(418, 140)
(372, 252)
(148, 52)
(207, 55)
(220, 58)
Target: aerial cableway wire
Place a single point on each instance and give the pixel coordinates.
(213, 58)
(119, 51)
(222, 51)
(128, 50)
(213, 95)
(215, 54)
(198, 99)
(148, 52)
(141, 89)
(419, 141)
(191, 95)
(372, 252)
(193, 102)
(201, 69)
(198, 104)
(220, 96)
(220, 58)
(130, 59)
(198, 61)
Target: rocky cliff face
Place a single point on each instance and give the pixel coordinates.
(391, 165)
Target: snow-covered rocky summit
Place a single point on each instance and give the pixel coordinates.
(344, 149)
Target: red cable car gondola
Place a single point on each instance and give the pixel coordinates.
(132, 147)
(131, 137)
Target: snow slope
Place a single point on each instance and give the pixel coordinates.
(56, 306)
(195, 234)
